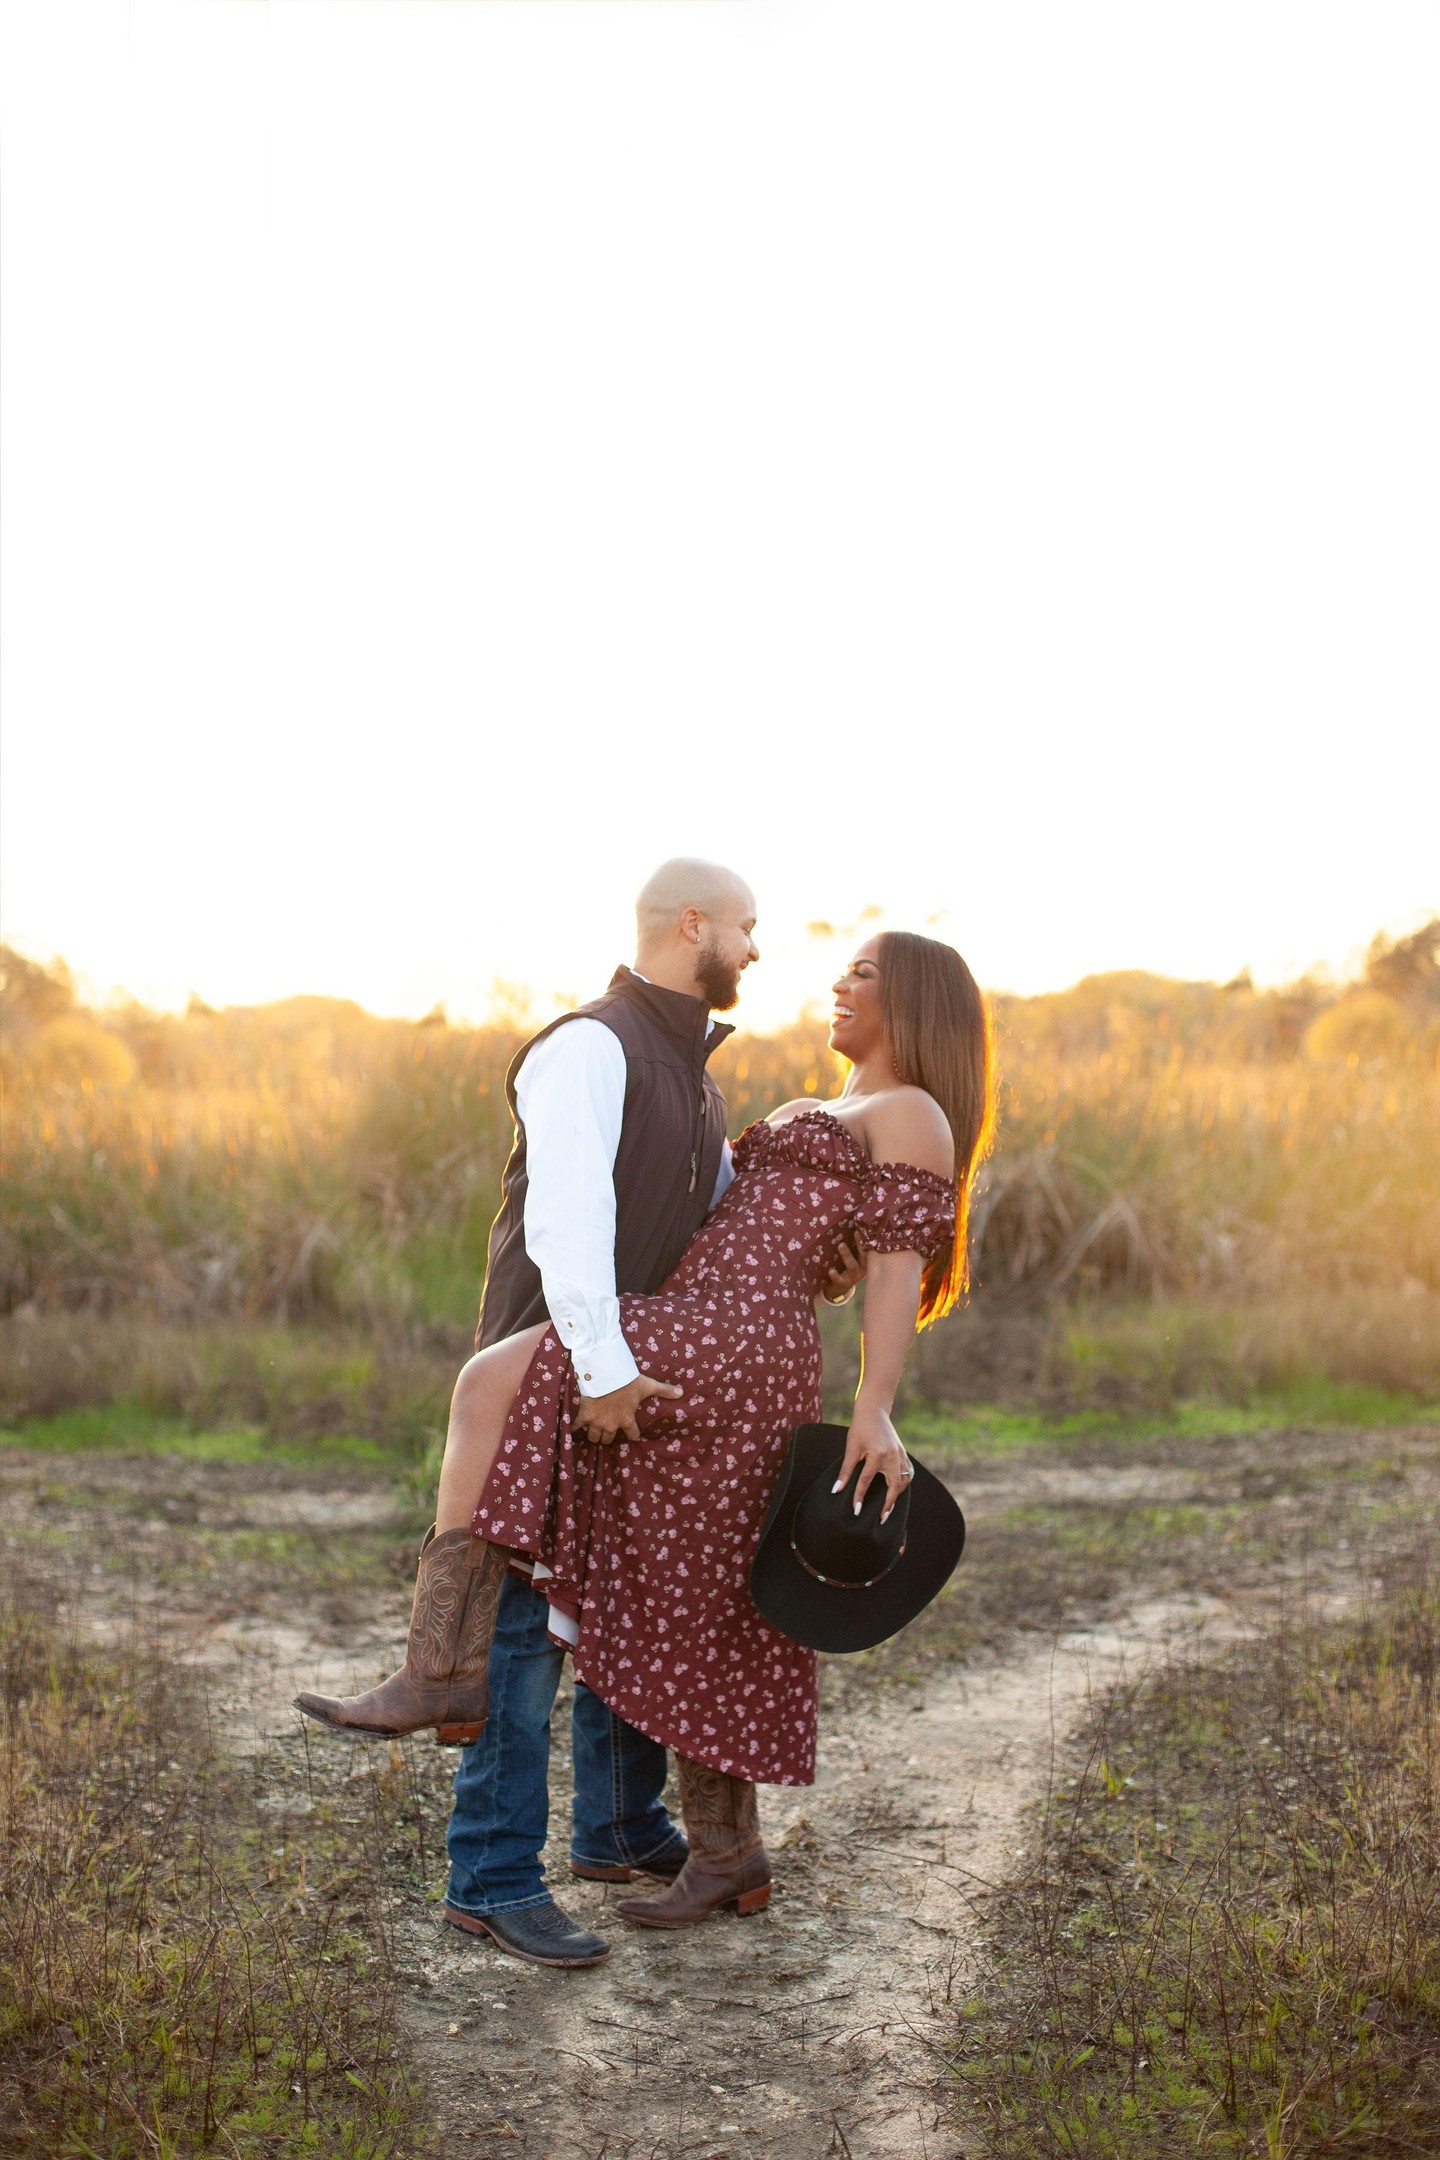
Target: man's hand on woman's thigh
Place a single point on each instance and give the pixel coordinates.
(612, 1417)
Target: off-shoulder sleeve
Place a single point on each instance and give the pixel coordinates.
(903, 1210)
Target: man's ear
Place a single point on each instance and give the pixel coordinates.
(690, 921)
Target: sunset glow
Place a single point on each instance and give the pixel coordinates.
(905, 453)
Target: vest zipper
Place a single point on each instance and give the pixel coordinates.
(699, 1133)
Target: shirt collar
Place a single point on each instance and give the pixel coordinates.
(677, 1012)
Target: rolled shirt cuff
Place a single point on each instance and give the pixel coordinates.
(602, 1367)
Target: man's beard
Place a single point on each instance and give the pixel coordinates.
(716, 978)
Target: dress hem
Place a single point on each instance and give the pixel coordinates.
(706, 1756)
(663, 1737)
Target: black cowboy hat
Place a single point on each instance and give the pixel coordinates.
(833, 1579)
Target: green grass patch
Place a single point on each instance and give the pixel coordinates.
(355, 1565)
(987, 1430)
(294, 1384)
(130, 1428)
(1092, 1551)
(1307, 1349)
(1148, 1531)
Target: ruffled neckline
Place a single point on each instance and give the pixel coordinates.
(822, 1126)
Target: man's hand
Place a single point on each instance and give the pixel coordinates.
(612, 1417)
(848, 1270)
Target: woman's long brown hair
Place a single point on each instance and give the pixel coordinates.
(938, 1027)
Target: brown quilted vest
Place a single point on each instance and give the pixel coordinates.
(668, 1159)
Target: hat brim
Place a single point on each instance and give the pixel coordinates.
(826, 1616)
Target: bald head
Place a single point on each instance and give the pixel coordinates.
(687, 882)
(694, 921)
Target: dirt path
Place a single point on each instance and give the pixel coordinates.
(819, 2027)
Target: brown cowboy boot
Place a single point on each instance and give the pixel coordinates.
(445, 1680)
(727, 1864)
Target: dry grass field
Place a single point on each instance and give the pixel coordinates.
(1043, 1900)
(1197, 1189)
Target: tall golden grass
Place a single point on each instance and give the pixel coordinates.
(1194, 1175)
(309, 1159)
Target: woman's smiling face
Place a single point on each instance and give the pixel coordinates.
(857, 1026)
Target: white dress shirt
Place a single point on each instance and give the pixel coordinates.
(570, 1097)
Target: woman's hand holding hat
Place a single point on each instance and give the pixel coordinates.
(837, 1579)
(876, 1446)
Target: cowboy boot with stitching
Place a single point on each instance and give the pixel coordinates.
(728, 1864)
(445, 1679)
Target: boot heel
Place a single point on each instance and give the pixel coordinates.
(459, 1735)
(753, 1900)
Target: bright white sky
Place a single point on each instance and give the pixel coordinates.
(977, 460)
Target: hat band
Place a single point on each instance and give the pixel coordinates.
(837, 1582)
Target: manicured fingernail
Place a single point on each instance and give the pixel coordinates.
(857, 1507)
(838, 1485)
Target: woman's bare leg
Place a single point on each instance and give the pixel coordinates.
(444, 1680)
(483, 1396)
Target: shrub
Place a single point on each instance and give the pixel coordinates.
(76, 1052)
(1365, 1028)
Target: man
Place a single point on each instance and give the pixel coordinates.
(619, 1155)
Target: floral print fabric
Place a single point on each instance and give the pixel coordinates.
(650, 1543)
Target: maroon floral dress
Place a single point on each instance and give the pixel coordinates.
(649, 1544)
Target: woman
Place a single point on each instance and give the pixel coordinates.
(644, 1548)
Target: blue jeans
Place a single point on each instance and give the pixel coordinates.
(502, 1797)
